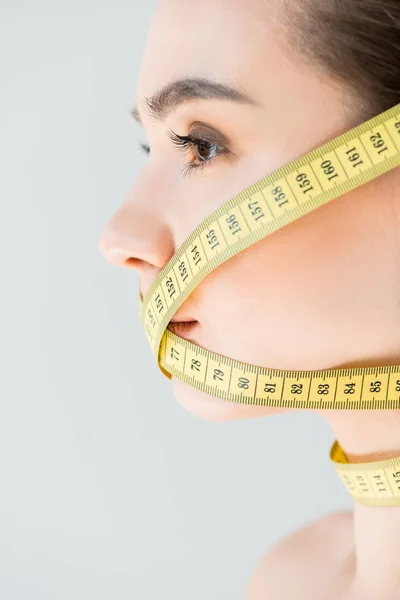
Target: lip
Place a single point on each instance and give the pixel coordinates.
(178, 319)
(182, 328)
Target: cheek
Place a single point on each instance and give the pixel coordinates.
(280, 303)
(302, 298)
(264, 307)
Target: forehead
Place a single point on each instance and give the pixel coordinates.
(232, 41)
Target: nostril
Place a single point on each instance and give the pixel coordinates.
(133, 262)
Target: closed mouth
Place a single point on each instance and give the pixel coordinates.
(181, 328)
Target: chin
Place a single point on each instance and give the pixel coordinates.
(211, 408)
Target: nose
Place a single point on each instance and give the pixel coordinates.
(137, 237)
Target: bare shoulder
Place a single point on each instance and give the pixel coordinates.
(312, 562)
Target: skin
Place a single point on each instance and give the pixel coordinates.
(330, 293)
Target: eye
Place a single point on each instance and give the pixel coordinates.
(144, 147)
(205, 150)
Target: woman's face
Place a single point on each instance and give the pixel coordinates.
(320, 293)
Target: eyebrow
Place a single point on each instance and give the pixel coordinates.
(168, 98)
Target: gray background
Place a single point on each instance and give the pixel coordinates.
(108, 488)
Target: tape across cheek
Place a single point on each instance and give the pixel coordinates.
(345, 163)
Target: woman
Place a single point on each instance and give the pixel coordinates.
(228, 92)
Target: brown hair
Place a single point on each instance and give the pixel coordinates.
(356, 42)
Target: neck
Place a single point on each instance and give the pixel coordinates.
(368, 436)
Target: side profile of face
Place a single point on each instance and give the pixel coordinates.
(322, 292)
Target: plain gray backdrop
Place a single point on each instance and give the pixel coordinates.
(108, 487)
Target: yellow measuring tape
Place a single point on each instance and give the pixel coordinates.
(339, 166)
(373, 483)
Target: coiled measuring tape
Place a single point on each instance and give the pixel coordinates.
(372, 483)
(339, 166)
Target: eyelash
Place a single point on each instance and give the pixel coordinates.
(188, 142)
